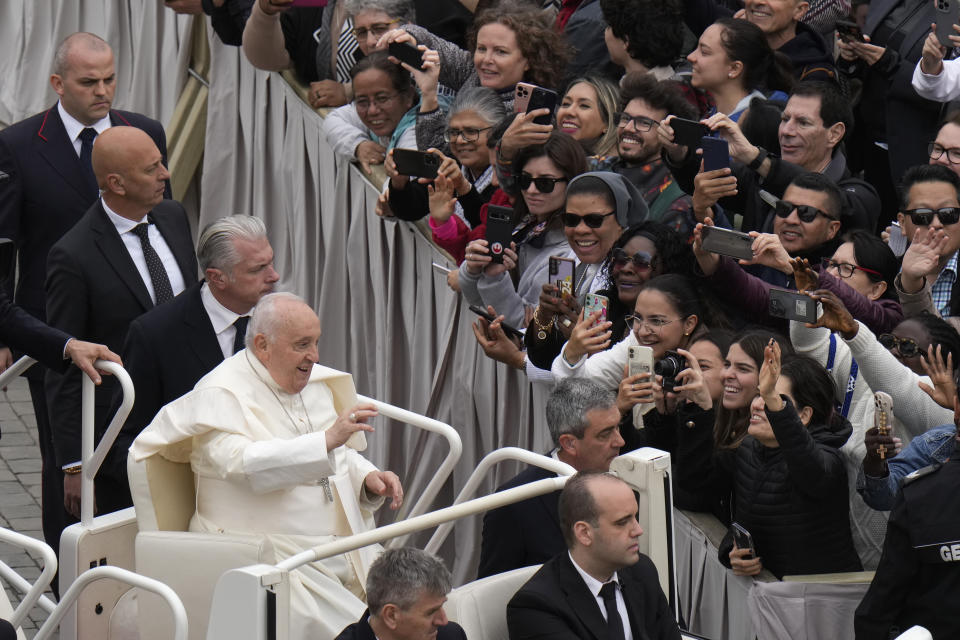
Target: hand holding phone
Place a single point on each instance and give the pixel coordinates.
(406, 52)
(743, 539)
(688, 133)
(560, 275)
(499, 231)
(411, 162)
(716, 153)
(511, 332)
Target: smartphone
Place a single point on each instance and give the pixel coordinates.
(561, 274)
(512, 332)
(406, 52)
(716, 153)
(849, 31)
(499, 230)
(521, 96)
(743, 539)
(442, 269)
(688, 132)
(640, 360)
(728, 242)
(947, 13)
(541, 98)
(897, 241)
(420, 164)
(883, 417)
(595, 302)
(792, 305)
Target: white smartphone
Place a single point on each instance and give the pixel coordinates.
(640, 360)
(897, 241)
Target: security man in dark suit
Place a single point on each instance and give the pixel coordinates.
(46, 185)
(406, 589)
(601, 586)
(918, 578)
(132, 250)
(584, 424)
(169, 348)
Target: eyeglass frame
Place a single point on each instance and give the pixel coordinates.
(592, 220)
(449, 134)
(897, 341)
(632, 320)
(361, 32)
(538, 181)
(924, 211)
(802, 211)
(948, 150)
(623, 119)
(380, 101)
(619, 256)
(829, 262)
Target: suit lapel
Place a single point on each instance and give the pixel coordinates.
(202, 338)
(116, 254)
(579, 598)
(182, 252)
(633, 597)
(55, 147)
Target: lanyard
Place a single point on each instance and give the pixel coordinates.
(851, 379)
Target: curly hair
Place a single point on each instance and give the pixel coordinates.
(546, 52)
(651, 29)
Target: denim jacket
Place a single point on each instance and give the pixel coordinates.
(934, 446)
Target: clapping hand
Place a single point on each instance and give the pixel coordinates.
(769, 374)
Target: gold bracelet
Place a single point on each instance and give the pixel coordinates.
(74, 470)
(542, 327)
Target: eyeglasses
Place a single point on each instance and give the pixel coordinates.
(923, 217)
(592, 220)
(653, 324)
(360, 33)
(935, 151)
(845, 269)
(805, 212)
(907, 347)
(543, 183)
(467, 134)
(641, 259)
(382, 100)
(640, 123)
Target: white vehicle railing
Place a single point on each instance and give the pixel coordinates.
(93, 459)
(121, 575)
(32, 593)
(473, 482)
(15, 370)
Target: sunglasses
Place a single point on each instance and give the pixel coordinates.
(592, 220)
(907, 347)
(641, 259)
(805, 212)
(923, 217)
(543, 184)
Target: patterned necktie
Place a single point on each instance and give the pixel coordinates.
(158, 275)
(614, 623)
(241, 326)
(87, 136)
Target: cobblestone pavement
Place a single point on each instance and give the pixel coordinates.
(20, 487)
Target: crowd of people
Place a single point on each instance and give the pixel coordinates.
(731, 232)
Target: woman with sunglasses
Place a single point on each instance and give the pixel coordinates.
(545, 172)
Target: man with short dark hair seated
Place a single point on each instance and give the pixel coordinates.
(585, 428)
(602, 586)
(406, 589)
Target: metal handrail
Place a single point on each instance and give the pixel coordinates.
(425, 521)
(473, 482)
(15, 370)
(122, 575)
(33, 592)
(91, 459)
(446, 467)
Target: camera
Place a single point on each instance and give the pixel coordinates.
(669, 367)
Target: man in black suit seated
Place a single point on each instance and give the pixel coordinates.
(602, 586)
(132, 250)
(169, 348)
(406, 589)
(46, 185)
(584, 425)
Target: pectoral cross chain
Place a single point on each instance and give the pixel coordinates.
(325, 483)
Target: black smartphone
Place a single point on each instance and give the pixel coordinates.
(716, 153)
(406, 52)
(420, 164)
(499, 230)
(849, 31)
(792, 305)
(688, 132)
(541, 98)
(743, 539)
(728, 242)
(511, 332)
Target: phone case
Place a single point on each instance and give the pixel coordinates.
(522, 96)
(947, 14)
(743, 538)
(411, 162)
(541, 98)
(791, 305)
(499, 230)
(728, 242)
(716, 153)
(883, 416)
(406, 52)
(640, 360)
(595, 302)
(688, 132)
(849, 31)
(561, 274)
(897, 241)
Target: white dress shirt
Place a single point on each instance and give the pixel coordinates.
(132, 242)
(222, 320)
(74, 126)
(594, 586)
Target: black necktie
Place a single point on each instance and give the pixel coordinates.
(241, 326)
(87, 136)
(158, 275)
(614, 623)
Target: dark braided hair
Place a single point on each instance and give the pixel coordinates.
(941, 333)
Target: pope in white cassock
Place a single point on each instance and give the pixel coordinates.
(273, 438)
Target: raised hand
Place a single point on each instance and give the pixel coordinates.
(944, 389)
(835, 315)
(442, 199)
(922, 258)
(769, 374)
(588, 337)
(804, 277)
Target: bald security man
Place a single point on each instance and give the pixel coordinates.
(131, 251)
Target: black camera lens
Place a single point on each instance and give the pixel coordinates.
(670, 365)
